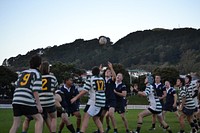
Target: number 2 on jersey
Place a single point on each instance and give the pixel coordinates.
(44, 82)
(100, 85)
(25, 79)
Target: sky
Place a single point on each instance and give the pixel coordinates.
(30, 24)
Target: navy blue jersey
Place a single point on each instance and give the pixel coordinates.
(69, 93)
(159, 89)
(110, 86)
(121, 87)
(170, 96)
(63, 103)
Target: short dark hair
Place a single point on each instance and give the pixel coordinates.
(35, 61)
(44, 67)
(182, 81)
(189, 77)
(66, 78)
(95, 71)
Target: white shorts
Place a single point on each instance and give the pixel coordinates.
(93, 110)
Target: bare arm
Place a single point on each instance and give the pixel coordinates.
(36, 96)
(141, 93)
(123, 94)
(175, 100)
(183, 103)
(82, 93)
(163, 96)
(58, 99)
(112, 71)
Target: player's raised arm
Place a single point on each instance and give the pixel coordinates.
(112, 71)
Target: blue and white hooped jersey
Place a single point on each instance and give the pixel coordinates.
(153, 99)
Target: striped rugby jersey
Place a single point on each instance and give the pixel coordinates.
(28, 81)
(153, 99)
(49, 85)
(96, 88)
(187, 93)
(193, 87)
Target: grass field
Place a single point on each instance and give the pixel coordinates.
(6, 122)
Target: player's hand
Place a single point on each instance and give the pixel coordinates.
(174, 105)
(73, 100)
(100, 67)
(180, 108)
(110, 65)
(39, 107)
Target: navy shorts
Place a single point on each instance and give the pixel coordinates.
(109, 104)
(169, 108)
(154, 112)
(20, 110)
(49, 110)
(72, 109)
(120, 107)
(44, 115)
(188, 112)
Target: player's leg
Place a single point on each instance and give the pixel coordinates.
(47, 120)
(190, 120)
(153, 127)
(53, 117)
(182, 122)
(65, 120)
(78, 120)
(111, 114)
(25, 125)
(103, 114)
(38, 122)
(61, 126)
(163, 123)
(108, 122)
(125, 121)
(16, 124)
(85, 121)
(163, 114)
(141, 115)
(98, 123)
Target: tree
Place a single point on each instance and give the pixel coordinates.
(61, 70)
(6, 78)
(167, 73)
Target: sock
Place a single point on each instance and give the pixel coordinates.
(115, 130)
(77, 129)
(71, 128)
(182, 131)
(153, 125)
(192, 124)
(195, 124)
(53, 132)
(138, 129)
(108, 127)
(24, 132)
(127, 130)
(59, 131)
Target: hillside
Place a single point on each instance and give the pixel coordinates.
(146, 49)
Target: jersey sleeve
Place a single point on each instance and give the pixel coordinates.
(163, 88)
(124, 88)
(37, 83)
(173, 91)
(87, 85)
(147, 90)
(183, 93)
